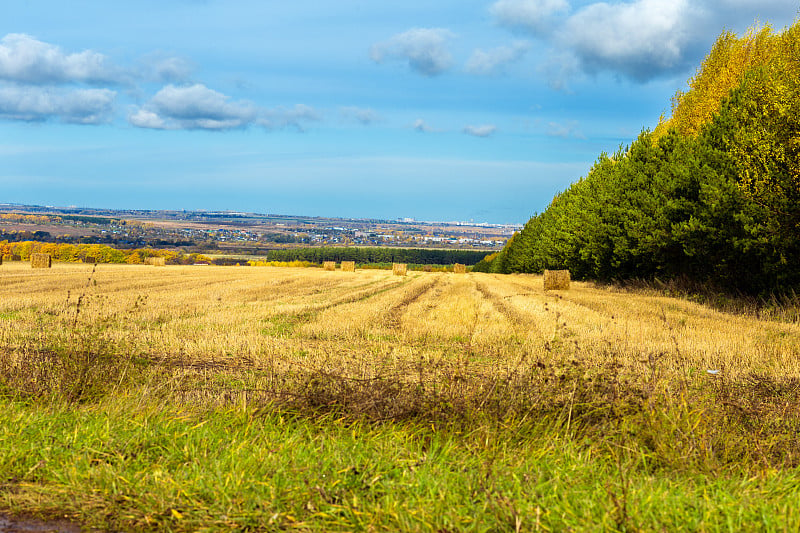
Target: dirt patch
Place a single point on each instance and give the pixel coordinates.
(10, 524)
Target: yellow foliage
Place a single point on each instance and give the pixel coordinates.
(720, 73)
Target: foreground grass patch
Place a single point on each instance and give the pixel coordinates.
(127, 466)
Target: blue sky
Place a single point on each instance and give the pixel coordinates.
(446, 110)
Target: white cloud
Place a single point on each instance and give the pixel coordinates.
(489, 62)
(534, 16)
(640, 39)
(425, 50)
(362, 115)
(196, 107)
(24, 59)
(480, 131)
(636, 39)
(142, 118)
(193, 107)
(36, 104)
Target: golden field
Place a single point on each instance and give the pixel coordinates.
(370, 323)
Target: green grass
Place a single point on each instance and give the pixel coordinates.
(124, 464)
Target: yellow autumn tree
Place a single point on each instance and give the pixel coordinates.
(720, 73)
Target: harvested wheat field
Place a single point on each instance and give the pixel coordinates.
(503, 321)
(266, 398)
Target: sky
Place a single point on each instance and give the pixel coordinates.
(446, 110)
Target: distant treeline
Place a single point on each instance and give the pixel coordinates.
(368, 255)
(99, 253)
(106, 254)
(57, 219)
(712, 195)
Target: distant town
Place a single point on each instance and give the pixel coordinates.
(237, 233)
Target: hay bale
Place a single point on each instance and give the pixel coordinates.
(348, 266)
(41, 261)
(155, 261)
(427, 268)
(458, 268)
(399, 269)
(1, 259)
(15, 257)
(329, 265)
(556, 280)
(89, 259)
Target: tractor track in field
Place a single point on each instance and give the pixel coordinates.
(394, 315)
(307, 315)
(515, 318)
(520, 323)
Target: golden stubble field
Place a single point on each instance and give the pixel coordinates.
(371, 323)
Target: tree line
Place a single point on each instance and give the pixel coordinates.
(370, 255)
(101, 253)
(98, 253)
(712, 194)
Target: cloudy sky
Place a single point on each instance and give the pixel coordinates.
(448, 110)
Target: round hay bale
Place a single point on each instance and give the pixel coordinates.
(41, 261)
(556, 280)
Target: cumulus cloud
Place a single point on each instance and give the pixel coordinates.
(142, 118)
(362, 115)
(37, 104)
(40, 82)
(636, 39)
(641, 39)
(425, 50)
(484, 130)
(533, 16)
(196, 107)
(193, 107)
(490, 62)
(24, 59)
